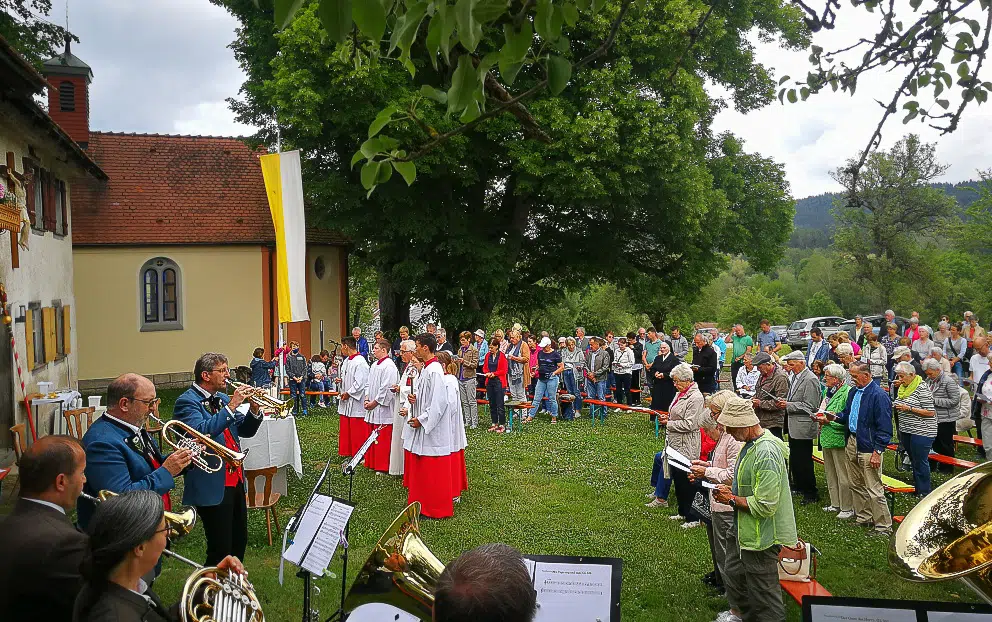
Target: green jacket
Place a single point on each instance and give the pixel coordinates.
(763, 480)
(832, 435)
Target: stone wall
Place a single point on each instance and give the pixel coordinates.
(162, 381)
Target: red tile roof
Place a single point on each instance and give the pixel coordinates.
(174, 190)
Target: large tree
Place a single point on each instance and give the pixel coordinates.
(615, 177)
(23, 25)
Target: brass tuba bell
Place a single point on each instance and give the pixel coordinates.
(948, 535)
(401, 571)
(179, 523)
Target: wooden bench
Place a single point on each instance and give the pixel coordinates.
(967, 440)
(798, 589)
(955, 462)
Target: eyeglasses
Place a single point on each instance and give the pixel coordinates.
(221, 370)
(152, 403)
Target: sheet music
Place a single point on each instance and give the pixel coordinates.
(677, 459)
(319, 533)
(571, 592)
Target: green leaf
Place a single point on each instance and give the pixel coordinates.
(915, 4)
(284, 10)
(559, 73)
(370, 173)
(439, 33)
(371, 147)
(583, 5)
(408, 170)
(963, 71)
(792, 96)
(570, 14)
(509, 70)
(783, 80)
(487, 11)
(544, 21)
(909, 117)
(517, 42)
(408, 64)
(469, 30)
(385, 172)
(472, 112)
(464, 84)
(358, 157)
(437, 95)
(597, 5)
(943, 103)
(405, 30)
(370, 17)
(382, 120)
(804, 93)
(335, 16)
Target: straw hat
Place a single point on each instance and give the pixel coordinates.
(738, 413)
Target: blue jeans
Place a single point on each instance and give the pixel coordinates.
(596, 391)
(957, 369)
(573, 388)
(611, 383)
(549, 389)
(661, 483)
(297, 393)
(919, 452)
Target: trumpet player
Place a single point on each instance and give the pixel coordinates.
(121, 455)
(219, 497)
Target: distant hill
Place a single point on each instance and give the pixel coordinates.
(814, 222)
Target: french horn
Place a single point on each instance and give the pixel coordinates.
(948, 535)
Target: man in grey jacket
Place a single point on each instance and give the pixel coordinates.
(800, 407)
(596, 372)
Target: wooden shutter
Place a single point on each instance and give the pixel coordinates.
(29, 191)
(66, 331)
(61, 189)
(29, 337)
(49, 198)
(48, 329)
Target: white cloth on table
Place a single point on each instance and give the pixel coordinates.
(354, 382)
(64, 399)
(275, 444)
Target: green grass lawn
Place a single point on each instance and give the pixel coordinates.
(565, 489)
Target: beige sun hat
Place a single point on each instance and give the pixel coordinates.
(737, 413)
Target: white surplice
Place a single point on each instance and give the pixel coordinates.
(354, 381)
(399, 420)
(455, 420)
(433, 437)
(383, 376)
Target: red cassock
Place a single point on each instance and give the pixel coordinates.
(459, 474)
(359, 433)
(377, 457)
(344, 436)
(406, 468)
(431, 484)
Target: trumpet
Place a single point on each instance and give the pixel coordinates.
(179, 523)
(261, 399)
(207, 454)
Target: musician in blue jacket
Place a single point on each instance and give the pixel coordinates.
(120, 455)
(219, 498)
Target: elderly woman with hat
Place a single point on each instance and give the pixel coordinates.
(764, 519)
(905, 354)
(682, 424)
(718, 469)
(916, 418)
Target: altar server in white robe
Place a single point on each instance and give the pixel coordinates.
(380, 405)
(403, 388)
(459, 476)
(429, 466)
(351, 410)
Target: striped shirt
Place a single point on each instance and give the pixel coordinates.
(921, 399)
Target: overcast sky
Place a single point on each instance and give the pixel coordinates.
(163, 66)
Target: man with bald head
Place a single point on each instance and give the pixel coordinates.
(40, 550)
(120, 454)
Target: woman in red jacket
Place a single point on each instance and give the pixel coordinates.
(494, 369)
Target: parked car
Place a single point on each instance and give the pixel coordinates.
(798, 334)
(781, 332)
(878, 321)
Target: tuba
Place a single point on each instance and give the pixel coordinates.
(401, 571)
(208, 455)
(948, 535)
(179, 523)
(265, 403)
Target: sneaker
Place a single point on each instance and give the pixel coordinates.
(727, 616)
(650, 496)
(860, 523)
(677, 517)
(884, 531)
(656, 503)
(830, 508)
(846, 515)
(691, 524)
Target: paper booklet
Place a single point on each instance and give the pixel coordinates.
(319, 533)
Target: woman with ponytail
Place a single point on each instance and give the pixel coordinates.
(127, 536)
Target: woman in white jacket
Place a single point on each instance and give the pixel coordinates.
(623, 365)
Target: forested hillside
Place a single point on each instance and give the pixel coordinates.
(814, 220)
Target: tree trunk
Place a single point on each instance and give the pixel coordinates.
(394, 307)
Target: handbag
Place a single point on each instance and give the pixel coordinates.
(701, 506)
(797, 563)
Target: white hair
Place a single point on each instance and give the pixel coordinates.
(844, 348)
(929, 364)
(943, 325)
(936, 350)
(835, 370)
(664, 344)
(889, 312)
(408, 345)
(905, 367)
(705, 337)
(682, 372)
(927, 329)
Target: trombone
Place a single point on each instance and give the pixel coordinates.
(261, 399)
(207, 454)
(179, 523)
